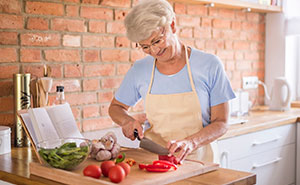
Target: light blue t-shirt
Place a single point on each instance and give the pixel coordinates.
(211, 82)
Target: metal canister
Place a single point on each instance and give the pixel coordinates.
(21, 101)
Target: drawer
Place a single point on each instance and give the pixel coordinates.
(274, 167)
(249, 144)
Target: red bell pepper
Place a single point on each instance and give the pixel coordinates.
(158, 166)
(171, 159)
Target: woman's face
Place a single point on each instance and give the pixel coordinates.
(161, 44)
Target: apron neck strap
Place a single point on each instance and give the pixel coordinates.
(188, 67)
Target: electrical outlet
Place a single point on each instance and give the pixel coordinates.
(250, 82)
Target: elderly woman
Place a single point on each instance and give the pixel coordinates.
(185, 90)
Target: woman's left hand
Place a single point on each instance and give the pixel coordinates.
(183, 147)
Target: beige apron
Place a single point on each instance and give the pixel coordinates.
(175, 117)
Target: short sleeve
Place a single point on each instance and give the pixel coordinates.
(128, 93)
(221, 90)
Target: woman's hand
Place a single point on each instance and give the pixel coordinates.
(128, 129)
(183, 147)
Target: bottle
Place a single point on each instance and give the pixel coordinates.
(60, 96)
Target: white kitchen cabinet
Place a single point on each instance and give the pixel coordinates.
(270, 154)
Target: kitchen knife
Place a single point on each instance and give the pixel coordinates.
(150, 146)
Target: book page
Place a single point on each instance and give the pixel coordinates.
(63, 120)
(27, 121)
(42, 124)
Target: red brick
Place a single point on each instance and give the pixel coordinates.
(30, 55)
(43, 8)
(96, 124)
(120, 14)
(90, 111)
(213, 12)
(56, 71)
(258, 37)
(72, 11)
(206, 22)
(122, 42)
(98, 41)
(62, 55)
(230, 65)
(40, 39)
(72, 85)
(232, 34)
(188, 42)
(123, 68)
(202, 33)
(73, 70)
(8, 38)
(7, 88)
(240, 15)
(91, 56)
(225, 55)
(258, 65)
(236, 25)
(199, 44)
(8, 55)
(104, 110)
(238, 55)
(7, 119)
(71, 40)
(10, 6)
(96, 13)
(249, 26)
(68, 25)
(37, 23)
(81, 98)
(186, 32)
(252, 55)
(97, 26)
(11, 21)
(227, 13)
(254, 17)
(243, 65)
(196, 10)
(228, 44)
(214, 44)
(108, 83)
(189, 21)
(136, 55)
(116, 27)
(105, 97)
(72, 1)
(91, 1)
(220, 23)
(179, 8)
(114, 55)
(35, 70)
(117, 3)
(241, 45)
(99, 70)
(91, 84)
(257, 46)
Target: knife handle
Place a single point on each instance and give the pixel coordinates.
(136, 134)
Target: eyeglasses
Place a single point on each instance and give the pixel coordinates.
(155, 43)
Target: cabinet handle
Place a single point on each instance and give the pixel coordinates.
(226, 156)
(266, 163)
(266, 141)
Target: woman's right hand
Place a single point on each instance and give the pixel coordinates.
(128, 129)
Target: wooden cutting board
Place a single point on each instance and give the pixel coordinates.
(136, 176)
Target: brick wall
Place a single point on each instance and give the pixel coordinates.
(84, 43)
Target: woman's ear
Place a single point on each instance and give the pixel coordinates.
(173, 26)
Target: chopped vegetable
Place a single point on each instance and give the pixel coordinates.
(67, 156)
(171, 159)
(130, 161)
(158, 166)
(120, 158)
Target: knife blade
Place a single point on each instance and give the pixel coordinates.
(151, 146)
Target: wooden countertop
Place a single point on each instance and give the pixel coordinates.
(261, 118)
(14, 168)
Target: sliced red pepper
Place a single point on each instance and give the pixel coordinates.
(142, 166)
(171, 159)
(165, 163)
(157, 169)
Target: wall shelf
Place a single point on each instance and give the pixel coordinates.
(236, 4)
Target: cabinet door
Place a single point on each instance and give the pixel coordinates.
(273, 167)
(249, 144)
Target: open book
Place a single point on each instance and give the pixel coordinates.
(52, 122)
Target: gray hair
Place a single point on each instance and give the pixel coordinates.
(146, 17)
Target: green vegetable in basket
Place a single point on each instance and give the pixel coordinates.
(66, 156)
